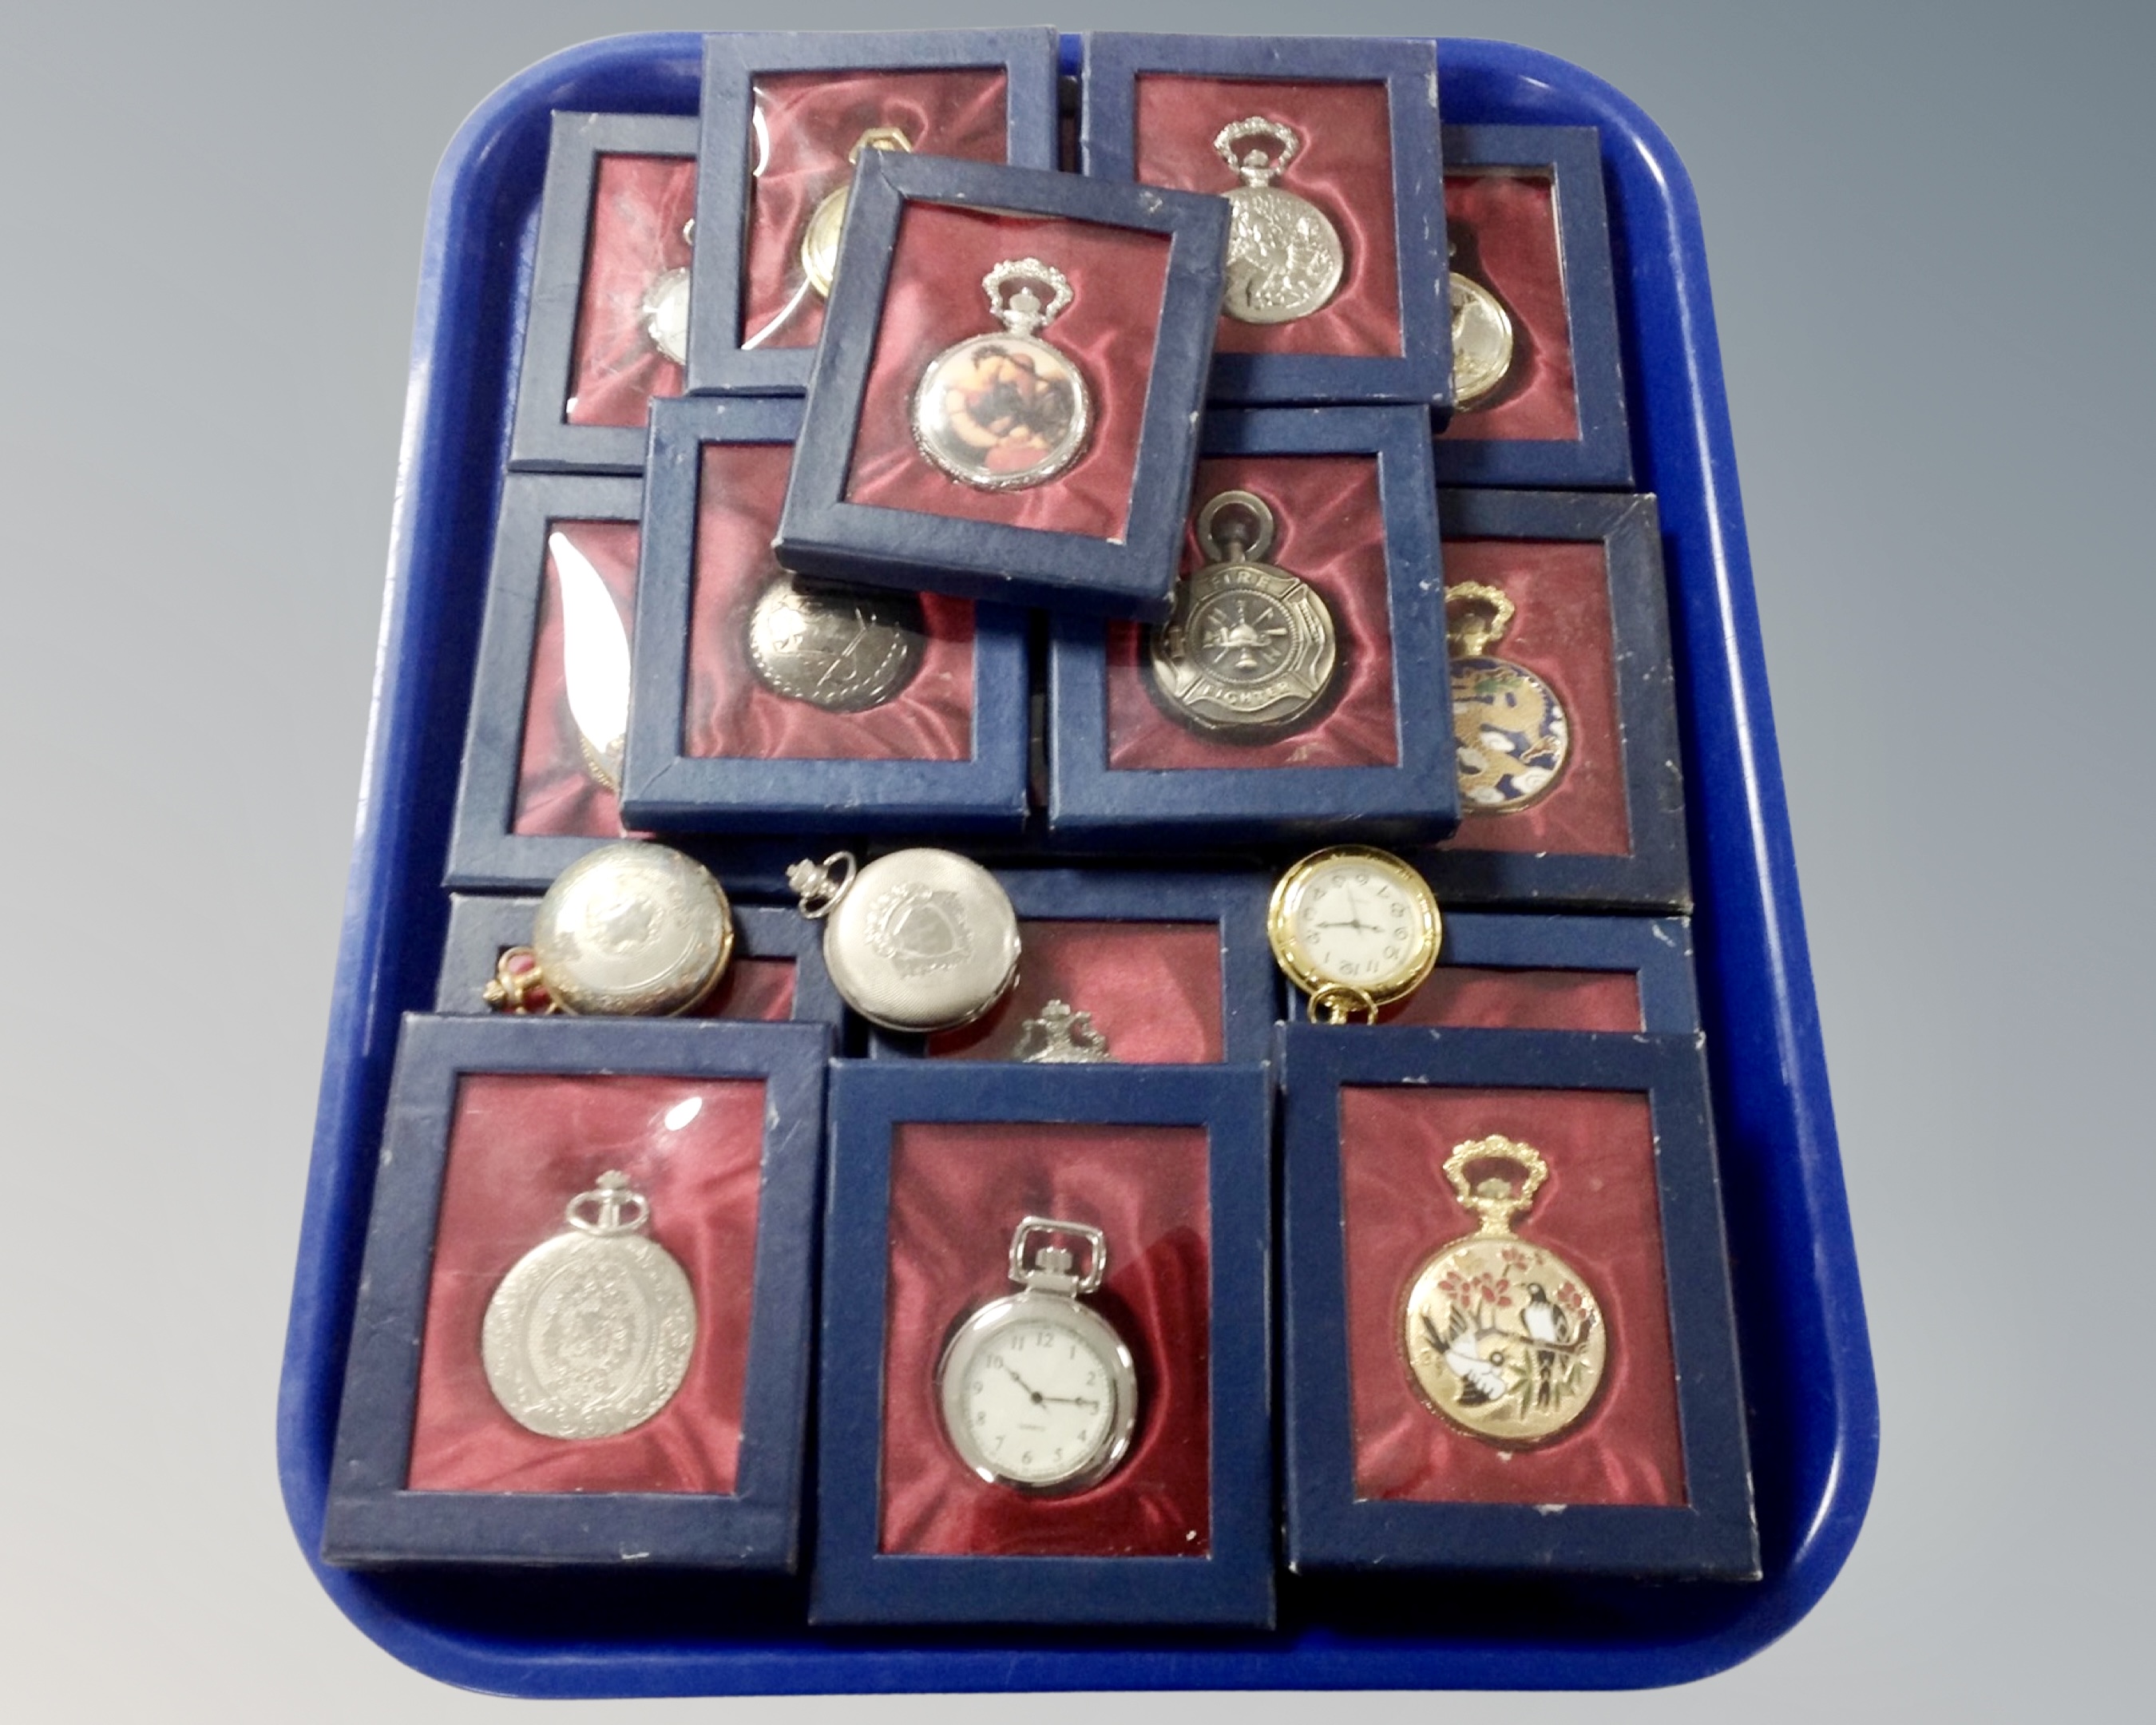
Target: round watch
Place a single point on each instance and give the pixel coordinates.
(919, 940)
(629, 929)
(1250, 648)
(819, 240)
(1284, 258)
(1503, 1337)
(1000, 412)
(1509, 727)
(590, 1333)
(1481, 341)
(842, 648)
(1038, 1391)
(665, 307)
(1355, 929)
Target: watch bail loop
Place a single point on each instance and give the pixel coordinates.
(1496, 1201)
(822, 884)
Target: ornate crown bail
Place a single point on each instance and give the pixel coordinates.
(1255, 167)
(1023, 314)
(1476, 618)
(1240, 509)
(880, 138)
(1495, 1200)
(619, 1207)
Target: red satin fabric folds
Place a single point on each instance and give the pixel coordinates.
(520, 1147)
(1153, 989)
(812, 120)
(935, 299)
(639, 206)
(555, 793)
(1465, 994)
(956, 1192)
(1345, 168)
(1561, 632)
(1598, 1211)
(731, 711)
(1503, 224)
(1330, 528)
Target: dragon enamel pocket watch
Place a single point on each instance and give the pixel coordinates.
(1503, 1337)
(1355, 929)
(1037, 1390)
(819, 238)
(1250, 648)
(1508, 725)
(999, 412)
(1284, 258)
(590, 1333)
(919, 940)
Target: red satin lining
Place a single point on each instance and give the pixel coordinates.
(1345, 168)
(639, 205)
(1504, 223)
(520, 1147)
(751, 988)
(1598, 1211)
(555, 793)
(1522, 1000)
(1331, 528)
(740, 488)
(1561, 631)
(956, 1192)
(814, 119)
(935, 299)
(1153, 989)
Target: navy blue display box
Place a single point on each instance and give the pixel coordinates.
(725, 356)
(483, 928)
(1120, 900)
(1528, 219)
(1552, 972)
(1031, 1575)
(1353, 1503)
(1101, 536)
(1302, 361)
(1814, 1416)
(547, 439)
(1413, 796)
(377, 1515)
(666, 787)
(1585, 571)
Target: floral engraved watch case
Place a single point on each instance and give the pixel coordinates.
(1285, 258)
(1038, 1391)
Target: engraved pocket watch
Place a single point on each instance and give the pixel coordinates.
(1000, 412)
(665, 307)
(1250, 648)
(842, 648)
(1502, 1338)
(590, 1333)
(630, 929)
(1284, 258)
(1508, 725)
(1039, 1392)
(919, 940)
(1482, 340)
(819, 240)
(1355, 929)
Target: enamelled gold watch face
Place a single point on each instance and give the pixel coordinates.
(1354, 922)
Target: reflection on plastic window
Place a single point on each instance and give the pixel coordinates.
(1525, 1392)
(1148, 992)
(809, 125)
(633, 315)
(997, 1485)
(521, 1147)
(1465, 994)
(576, 706)
(1502, 225)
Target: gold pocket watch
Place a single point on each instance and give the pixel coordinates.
(1502, 1338)
(1355, 929)
(819, 240)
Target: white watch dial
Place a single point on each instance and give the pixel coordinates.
(1036, 1399)
(1356, 925)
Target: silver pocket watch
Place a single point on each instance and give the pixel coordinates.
(665, 307)
(1285, 258)
(1002, 412)
(1482, 340)
(1037, 1390)
(842, 648)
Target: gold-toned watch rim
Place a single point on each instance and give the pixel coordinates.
(1286, 950)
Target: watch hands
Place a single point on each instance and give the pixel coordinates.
(1076, 1401)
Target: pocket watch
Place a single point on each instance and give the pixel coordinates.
(590, 1333)
(665, 308)
(1284, 258)
(1039, 1392)
(1355, 929)
(918, 940)
(842, 648)
(1508, 725)
(629, 929)
(819, 240)
(1250, 648)
(1482, 340)
(1502, 1338)
(999, 412)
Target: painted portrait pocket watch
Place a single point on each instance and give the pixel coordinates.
(589, 1334)
(1250, 650)
(1037, 1390)
(1503, 1337)
(1000, 412)
(1355, 929)
(1509, 727)
(1285, 258)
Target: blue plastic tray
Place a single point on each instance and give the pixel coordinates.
(1812, 1407)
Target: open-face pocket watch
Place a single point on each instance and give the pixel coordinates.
(1355, 929)
(999, 412)
(1038, 1391)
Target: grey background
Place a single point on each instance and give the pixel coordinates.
(1930, 231)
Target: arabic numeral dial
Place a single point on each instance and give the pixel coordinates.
(1038, 1401)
